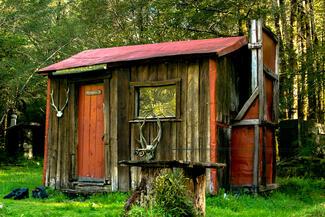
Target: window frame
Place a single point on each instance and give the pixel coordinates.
(136, 85)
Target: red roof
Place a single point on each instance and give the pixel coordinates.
(220, 46)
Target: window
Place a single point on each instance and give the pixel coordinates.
(156, 99)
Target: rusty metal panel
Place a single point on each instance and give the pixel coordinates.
(269, 51)
(221, 46)
(268, 115)
(269, 155)
(242, 151)
(252, 112)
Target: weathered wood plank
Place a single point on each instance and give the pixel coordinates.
(135, 172)
(73, 140)
(107, 126)
(192, 112)
(54, 136)
(270, 73)
(162, 71)
(253, 39)
(123, 128)
(260, 72)
(65, 151)
(204, 124)
(246, 122)
(47, 135)
(181, 145)
(154, 83)
(61, 133)
(171, 164)
(113, 130)
(172, 73)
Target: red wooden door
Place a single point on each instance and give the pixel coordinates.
(90, 132)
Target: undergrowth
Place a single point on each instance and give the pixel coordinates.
(296, 197)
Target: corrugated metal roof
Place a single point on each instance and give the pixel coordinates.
(220, 46)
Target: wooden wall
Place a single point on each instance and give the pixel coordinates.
(186, 137)
(61, 133)
(233, 89)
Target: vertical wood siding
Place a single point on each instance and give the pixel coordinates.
(188, 137)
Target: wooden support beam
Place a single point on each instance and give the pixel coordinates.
(253, 40)
(246, 122)
(247, 105)
(270, 73)
(260, 72)
(170, 164)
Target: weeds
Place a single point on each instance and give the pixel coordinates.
(296, 197)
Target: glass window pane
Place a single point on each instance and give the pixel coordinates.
(159, 101)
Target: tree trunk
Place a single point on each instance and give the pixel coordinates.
(301, 80)
(291, 60)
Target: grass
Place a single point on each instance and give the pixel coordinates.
(296, 197)
(30, 176)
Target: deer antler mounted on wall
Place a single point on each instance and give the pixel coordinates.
(148, 150)
(59, 112)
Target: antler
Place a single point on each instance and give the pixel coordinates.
(52, 102)
(66, 101)
(156, 141)
(59, 112)
(148, 149)
(143, 141)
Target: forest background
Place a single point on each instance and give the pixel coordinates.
(36, 33)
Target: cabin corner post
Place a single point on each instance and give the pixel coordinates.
(257, 73)
(213, 123)
(46, 137)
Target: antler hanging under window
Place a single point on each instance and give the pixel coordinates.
(148, 149)
(59, 112)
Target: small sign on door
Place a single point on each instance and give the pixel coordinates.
(93, 92)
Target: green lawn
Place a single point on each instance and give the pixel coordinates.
(296, 197)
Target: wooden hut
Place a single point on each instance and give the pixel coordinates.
(216, 100)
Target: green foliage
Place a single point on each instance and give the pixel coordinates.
(171, 194)
(170, 197)
(295, 197)
(309, 167)
(37, 33)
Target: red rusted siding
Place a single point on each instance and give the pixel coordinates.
(213, 118)
(242, 155)
(46, 129)
(269, 155)
(252, 112)
(269, 99)
(90, 132)
(269, 51)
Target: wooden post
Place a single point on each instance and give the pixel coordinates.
(213, 119)
(257, 73)
(46, 164)
(260, 72)
(254, 55)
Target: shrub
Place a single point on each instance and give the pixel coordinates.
(172, 196)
